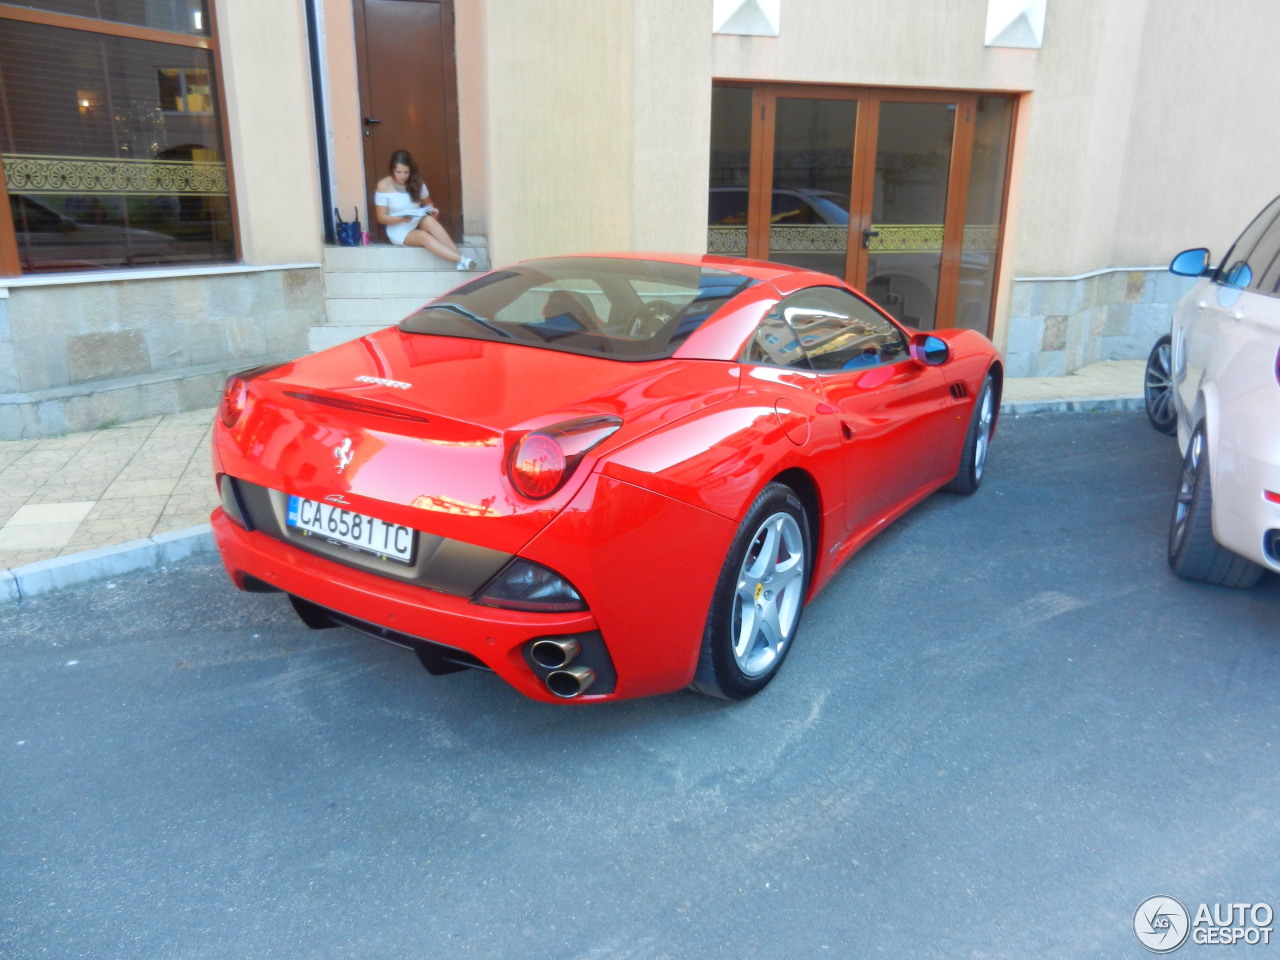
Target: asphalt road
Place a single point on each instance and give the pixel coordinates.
(1004, 726)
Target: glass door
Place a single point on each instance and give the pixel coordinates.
(903, 242)
(899, 192)
(730, 180)
(812, 172)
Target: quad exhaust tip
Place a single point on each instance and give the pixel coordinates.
(570, 681)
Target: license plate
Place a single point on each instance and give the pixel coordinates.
(311, 518)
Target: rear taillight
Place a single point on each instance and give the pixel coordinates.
(235, 393)
(543, 460)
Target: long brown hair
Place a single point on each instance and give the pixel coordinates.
(412, 186)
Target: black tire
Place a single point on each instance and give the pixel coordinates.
(1193, 553)
(1157, 387)
(759, 597)
(977, 440)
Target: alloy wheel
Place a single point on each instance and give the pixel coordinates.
(769, 594)
(1186, 490)
(1157, 387)
(983, 439)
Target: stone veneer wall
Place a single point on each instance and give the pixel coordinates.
(81, 354)
(1058, 325)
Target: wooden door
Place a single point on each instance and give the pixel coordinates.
(408, 95)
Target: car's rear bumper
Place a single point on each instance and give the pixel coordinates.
(647, 565)
(495, 637)
(1245, 521)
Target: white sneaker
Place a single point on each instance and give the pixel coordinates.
(466, 263)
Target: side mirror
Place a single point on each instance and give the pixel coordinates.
(1240, 275)
(930, 350)
(1191, 263)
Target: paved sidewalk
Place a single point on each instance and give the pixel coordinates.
(106, 487)
(96, 504)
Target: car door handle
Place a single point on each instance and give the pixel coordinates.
(867, 234)
(847, 431)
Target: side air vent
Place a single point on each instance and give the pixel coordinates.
(959, 391)
(355, 406)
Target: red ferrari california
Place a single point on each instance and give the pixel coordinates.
(599, 477)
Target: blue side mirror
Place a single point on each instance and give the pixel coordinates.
(930, 350)
(1191, 263)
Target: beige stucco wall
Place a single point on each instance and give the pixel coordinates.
(1139, 125)
(470, 42)
(559, 128)
(598, 127)
(1202, 154)
(584, 124)
(266, 78)
(926, 43)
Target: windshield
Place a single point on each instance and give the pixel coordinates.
(604, 307)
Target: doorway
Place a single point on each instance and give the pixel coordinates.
(408, 95)
(899, 192)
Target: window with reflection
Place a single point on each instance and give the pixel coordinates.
(730, 170)
(984, 212)
(775, 344)
(173, 16)
(112, 146)
(839, 331)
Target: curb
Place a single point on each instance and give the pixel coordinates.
(45, 576)
(1018, 408)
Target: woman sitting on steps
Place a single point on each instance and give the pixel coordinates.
(403, 205)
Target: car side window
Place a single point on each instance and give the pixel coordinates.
(570, 305)
(774, 344)
(1241, 266)
(1265, 261)
(842, 332)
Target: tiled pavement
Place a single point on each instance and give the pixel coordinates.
(104, 500)
(105, 487)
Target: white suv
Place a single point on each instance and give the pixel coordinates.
(1214, 381)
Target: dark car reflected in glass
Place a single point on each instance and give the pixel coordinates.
(807, 228)
(50, 240)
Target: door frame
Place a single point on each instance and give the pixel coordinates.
(451, 214)
(862, 188)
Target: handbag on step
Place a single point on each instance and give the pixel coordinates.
(348, 231)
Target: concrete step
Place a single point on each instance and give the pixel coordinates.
(386, 256)
(425, 284)
(370, 288)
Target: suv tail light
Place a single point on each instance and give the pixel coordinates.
(543, 460)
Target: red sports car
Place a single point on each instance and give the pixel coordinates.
(599, 477)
